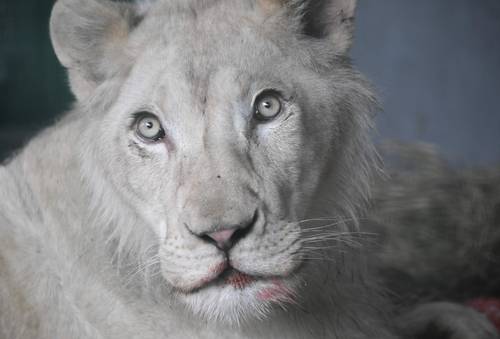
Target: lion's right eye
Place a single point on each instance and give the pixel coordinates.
(148, 127)
(267, 105)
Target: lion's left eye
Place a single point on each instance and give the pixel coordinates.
(148, 127)
(267, 106)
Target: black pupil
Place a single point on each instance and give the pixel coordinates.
(149, 124)
(268, 104)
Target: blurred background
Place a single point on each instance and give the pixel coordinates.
(436, 65)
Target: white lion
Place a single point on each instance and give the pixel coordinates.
(181, 197)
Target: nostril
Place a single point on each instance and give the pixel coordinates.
(227, 238)
(223, 238)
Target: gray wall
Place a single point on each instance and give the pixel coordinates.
(436, 64)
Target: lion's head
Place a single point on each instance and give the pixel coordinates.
(223, 125)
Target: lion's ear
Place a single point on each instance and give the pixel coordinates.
(89, 38)
(330, 20)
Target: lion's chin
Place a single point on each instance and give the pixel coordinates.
(239, 298)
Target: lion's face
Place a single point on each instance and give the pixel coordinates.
(224, 187)
(218, 137)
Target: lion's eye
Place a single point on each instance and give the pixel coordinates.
(148, 127)
(267, 106)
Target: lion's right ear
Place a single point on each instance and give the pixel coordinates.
(330, 21)
(89, 38)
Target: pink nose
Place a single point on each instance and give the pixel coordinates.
(222, 238)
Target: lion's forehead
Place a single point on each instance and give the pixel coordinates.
(199, 59)
(200, 41)
(210, 23)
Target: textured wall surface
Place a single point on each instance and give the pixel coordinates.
(436, 65)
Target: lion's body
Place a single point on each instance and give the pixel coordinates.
(208, 229)
(438, 226)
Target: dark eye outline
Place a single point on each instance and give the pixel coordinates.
(138, 117)
(267, 92)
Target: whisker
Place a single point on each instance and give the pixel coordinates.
(316, 228)
(141, 268)
(337, 219)
(317, 219)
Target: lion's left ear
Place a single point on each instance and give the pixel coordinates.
(330, 20)
(89, 39)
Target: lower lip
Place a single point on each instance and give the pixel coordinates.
(276, 292)
(239, 280)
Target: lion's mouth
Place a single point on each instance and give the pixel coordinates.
(224, 275)
(226, 279)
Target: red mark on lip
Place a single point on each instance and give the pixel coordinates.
(277, 292)
(239, 280)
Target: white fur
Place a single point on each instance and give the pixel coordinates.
(101, 232)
